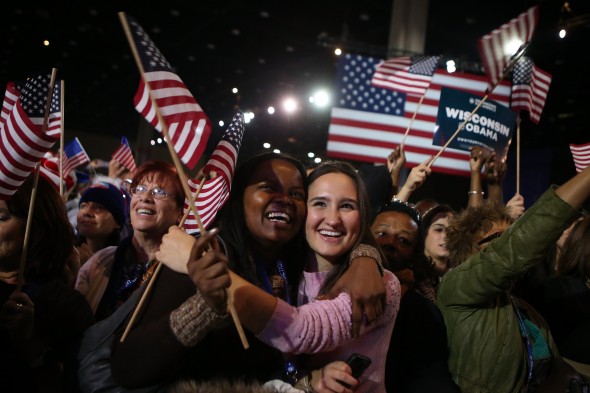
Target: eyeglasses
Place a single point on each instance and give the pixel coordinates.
(488, 239)
(156, 192)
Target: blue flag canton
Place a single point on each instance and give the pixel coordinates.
(73, 148)
(125, 142)
(522, 72)
(235, 131)
(151, 57)
(354, 89)
(33, 96)
(424, 65)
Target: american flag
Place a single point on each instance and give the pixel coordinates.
(215, 191)
(10, 98)
(409, 74)
(493, 47)
(23, 141)
(124, 156)
(368, 122)
(74, 155)
(188, 126)
(530, 86)
(49, 169)
(581, 154)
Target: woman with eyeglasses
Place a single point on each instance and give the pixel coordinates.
(111, 275)
(497, 341)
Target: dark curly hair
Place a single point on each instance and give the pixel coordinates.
(467, 227)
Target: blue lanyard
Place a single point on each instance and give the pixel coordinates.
(525, 337)
(265, 279)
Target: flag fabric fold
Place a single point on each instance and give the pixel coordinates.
(188, 125)
(368, 122)
(493, 47)
(530, 86)
(23, 141)
(124, 156)
(215, 190)
(10, 98)
(581, 155)
(409, 74)
(74, 156)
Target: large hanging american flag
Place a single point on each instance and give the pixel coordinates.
(74, 155)
(215, 191)
(188, 126)
(408, 74)
(581, 154)
(23, 141)
(368, 122)
(530, 86)
(124, 156)
(494, 46)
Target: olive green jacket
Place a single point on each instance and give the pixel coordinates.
(486, 348)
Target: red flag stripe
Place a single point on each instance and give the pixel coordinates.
(492, 46)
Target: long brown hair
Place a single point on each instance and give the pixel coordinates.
(364, 209)
(51, 240)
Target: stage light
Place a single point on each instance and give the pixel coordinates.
(276, 151)
(271, 110)
(320, 98)
(266, 145)
(317, 160)
(310, 155)
(221, 123)
(562, 33)
(234, 90)
(337, 51)
(451, 66)
(290, 105)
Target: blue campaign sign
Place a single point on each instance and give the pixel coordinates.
(491, 126)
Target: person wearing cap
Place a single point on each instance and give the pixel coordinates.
(102, 215)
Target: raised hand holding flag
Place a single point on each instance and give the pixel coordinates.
(124, 156)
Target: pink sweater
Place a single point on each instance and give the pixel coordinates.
(324, 328)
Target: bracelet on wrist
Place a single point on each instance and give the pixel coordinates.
(365, 250)
(474, 192)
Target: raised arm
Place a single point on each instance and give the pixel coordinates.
(415, 179)
(395, 164)
(477, 159)
(495, 173)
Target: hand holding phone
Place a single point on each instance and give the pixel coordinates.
(358, 363)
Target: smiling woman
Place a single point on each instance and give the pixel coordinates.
(111, 275)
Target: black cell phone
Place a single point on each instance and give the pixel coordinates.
(358, 363)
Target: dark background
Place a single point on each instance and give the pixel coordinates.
(270, 49)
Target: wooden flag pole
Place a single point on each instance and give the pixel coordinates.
(183, 180)
(195, 197)
(505, 72)
(61, 145)
(21, 268)
(518, 153)
(412, 119)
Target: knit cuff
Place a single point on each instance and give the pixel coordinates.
(193, 320)
(365, 250)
